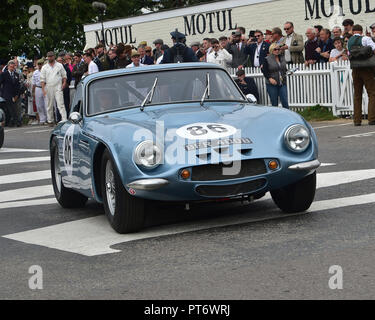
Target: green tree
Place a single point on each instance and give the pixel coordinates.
(63, 22)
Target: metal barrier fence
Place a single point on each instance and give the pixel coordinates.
(328, 84)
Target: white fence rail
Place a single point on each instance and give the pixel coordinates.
(329, 85)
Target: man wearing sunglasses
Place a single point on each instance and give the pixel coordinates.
(293, 45)
(258, 51)
(219, 55)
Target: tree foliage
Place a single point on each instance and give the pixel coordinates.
(63, 22)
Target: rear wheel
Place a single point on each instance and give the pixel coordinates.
(66, 197)
(124, 212)
(296, 197)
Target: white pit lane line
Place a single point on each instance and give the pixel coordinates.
(333, 126)
(24, 160)
(8, 150)
(38, 131)
(25, 177)
(360, 135)
(94, 236)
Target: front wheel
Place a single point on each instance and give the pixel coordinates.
(124, 212)
(66, 197)
(296, 197)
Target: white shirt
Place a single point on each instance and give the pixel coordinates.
(257, 55)
(288, 42)
(367, 41)
(335, 53)
(52, 75)
(133, 66)
(160, 59)
(222, 57)
(93, 68)
(36, 78)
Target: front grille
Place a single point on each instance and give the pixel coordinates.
(231, 190)
(213, 172)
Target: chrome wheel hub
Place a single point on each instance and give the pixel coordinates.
(58, 178)
(110, 188)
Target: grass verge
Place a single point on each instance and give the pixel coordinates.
(317, 113)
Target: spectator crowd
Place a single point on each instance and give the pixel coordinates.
(43, 89)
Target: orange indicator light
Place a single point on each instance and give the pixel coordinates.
(273, 165)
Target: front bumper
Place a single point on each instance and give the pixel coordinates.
(173, 188)
(306, 166)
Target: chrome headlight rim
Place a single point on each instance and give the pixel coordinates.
(142, 161)
(287, 137)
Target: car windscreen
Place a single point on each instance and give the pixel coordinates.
(175, 86)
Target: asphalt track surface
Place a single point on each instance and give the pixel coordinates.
(222, 251)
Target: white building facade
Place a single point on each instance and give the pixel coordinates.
(215, 19)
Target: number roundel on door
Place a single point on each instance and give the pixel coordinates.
(206, 131)
(68, 150)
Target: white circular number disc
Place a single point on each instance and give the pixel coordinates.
(206, 131)
(68, 150)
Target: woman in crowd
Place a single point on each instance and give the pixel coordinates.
(274, 70)
(339, 53)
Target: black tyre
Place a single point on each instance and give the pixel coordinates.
(1, 136)
(124, 212)
(296, 197)
(66, 197)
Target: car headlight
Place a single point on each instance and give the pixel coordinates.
(148, 155)
(297, 138)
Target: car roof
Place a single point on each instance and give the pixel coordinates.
(151, 68)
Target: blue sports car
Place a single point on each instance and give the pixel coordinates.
(179, 133)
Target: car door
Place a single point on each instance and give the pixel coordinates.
(70, 132)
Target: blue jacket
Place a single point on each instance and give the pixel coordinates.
(9, 88)
(251, 50)
(188, 55)
(147, 60)
(325, 47)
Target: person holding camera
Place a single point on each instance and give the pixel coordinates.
(274, 70)
(292, 45)
(237, 49)
(219, 55)
(179, 53)
(257, 50)
(362, 60)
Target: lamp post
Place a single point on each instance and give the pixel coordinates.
(101, 7)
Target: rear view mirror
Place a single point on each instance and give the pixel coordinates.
(75, 117)
(251, 98)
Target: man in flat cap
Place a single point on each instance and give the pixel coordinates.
(179, 53)
(157, 51)
(195, 46)
(136, 60)
(53, 79)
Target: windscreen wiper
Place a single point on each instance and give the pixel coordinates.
(149, 95)
(207, 90)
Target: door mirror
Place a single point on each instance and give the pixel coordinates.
(251, 98)
(75, 117)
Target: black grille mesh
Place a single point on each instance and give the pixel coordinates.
(232, 190)
(212, 172)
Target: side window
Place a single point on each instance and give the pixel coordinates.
(77, 101)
